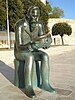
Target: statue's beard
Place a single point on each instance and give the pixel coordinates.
(33, 25)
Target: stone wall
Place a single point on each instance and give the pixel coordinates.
(4, 39)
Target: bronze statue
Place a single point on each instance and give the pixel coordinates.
(29, 38)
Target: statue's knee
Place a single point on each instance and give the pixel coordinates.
(16, 63)
(45, 56)
(30, 57)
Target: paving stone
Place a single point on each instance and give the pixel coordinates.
(62, 76)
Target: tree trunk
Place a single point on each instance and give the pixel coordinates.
(62, 40)
(54, 41)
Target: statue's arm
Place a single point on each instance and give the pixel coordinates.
(18, 26)
(22, 38)
(38, 40)
(45, 37)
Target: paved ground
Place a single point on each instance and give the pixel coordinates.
(62, 76)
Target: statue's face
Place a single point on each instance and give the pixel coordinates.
(35, 12)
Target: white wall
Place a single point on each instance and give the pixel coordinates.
(44, 1)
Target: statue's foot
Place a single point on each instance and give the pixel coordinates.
(48, 88)
(30, 92)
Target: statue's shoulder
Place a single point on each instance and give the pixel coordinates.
(20, 22)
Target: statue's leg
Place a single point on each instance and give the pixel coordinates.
(21, 74)
(34, 76)
(37, 63)
(16, 63)
(29, 63)
(38, 73)
(45, 73)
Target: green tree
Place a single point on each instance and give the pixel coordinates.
(61, 29)
(48, 6)
(57, 13)
(2, 14)
(16, 12)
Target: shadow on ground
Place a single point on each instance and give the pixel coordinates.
(7, 71)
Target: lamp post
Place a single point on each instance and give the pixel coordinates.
(8, 25)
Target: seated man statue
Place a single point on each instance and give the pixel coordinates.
(29, 37)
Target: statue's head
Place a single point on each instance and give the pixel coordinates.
(34, 12)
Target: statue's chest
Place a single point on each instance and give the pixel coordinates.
(34, 29)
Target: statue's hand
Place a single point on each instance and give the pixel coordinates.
(47, 42)
(37, 45)
(43, 41)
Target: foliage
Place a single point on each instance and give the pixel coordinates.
(16, 12)
(2, 14)
(48, 6)
(61, 29)
(57, 13)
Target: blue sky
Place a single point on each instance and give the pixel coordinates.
(68, 6)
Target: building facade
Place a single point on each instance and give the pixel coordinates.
(4, 39)
(44, 1)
